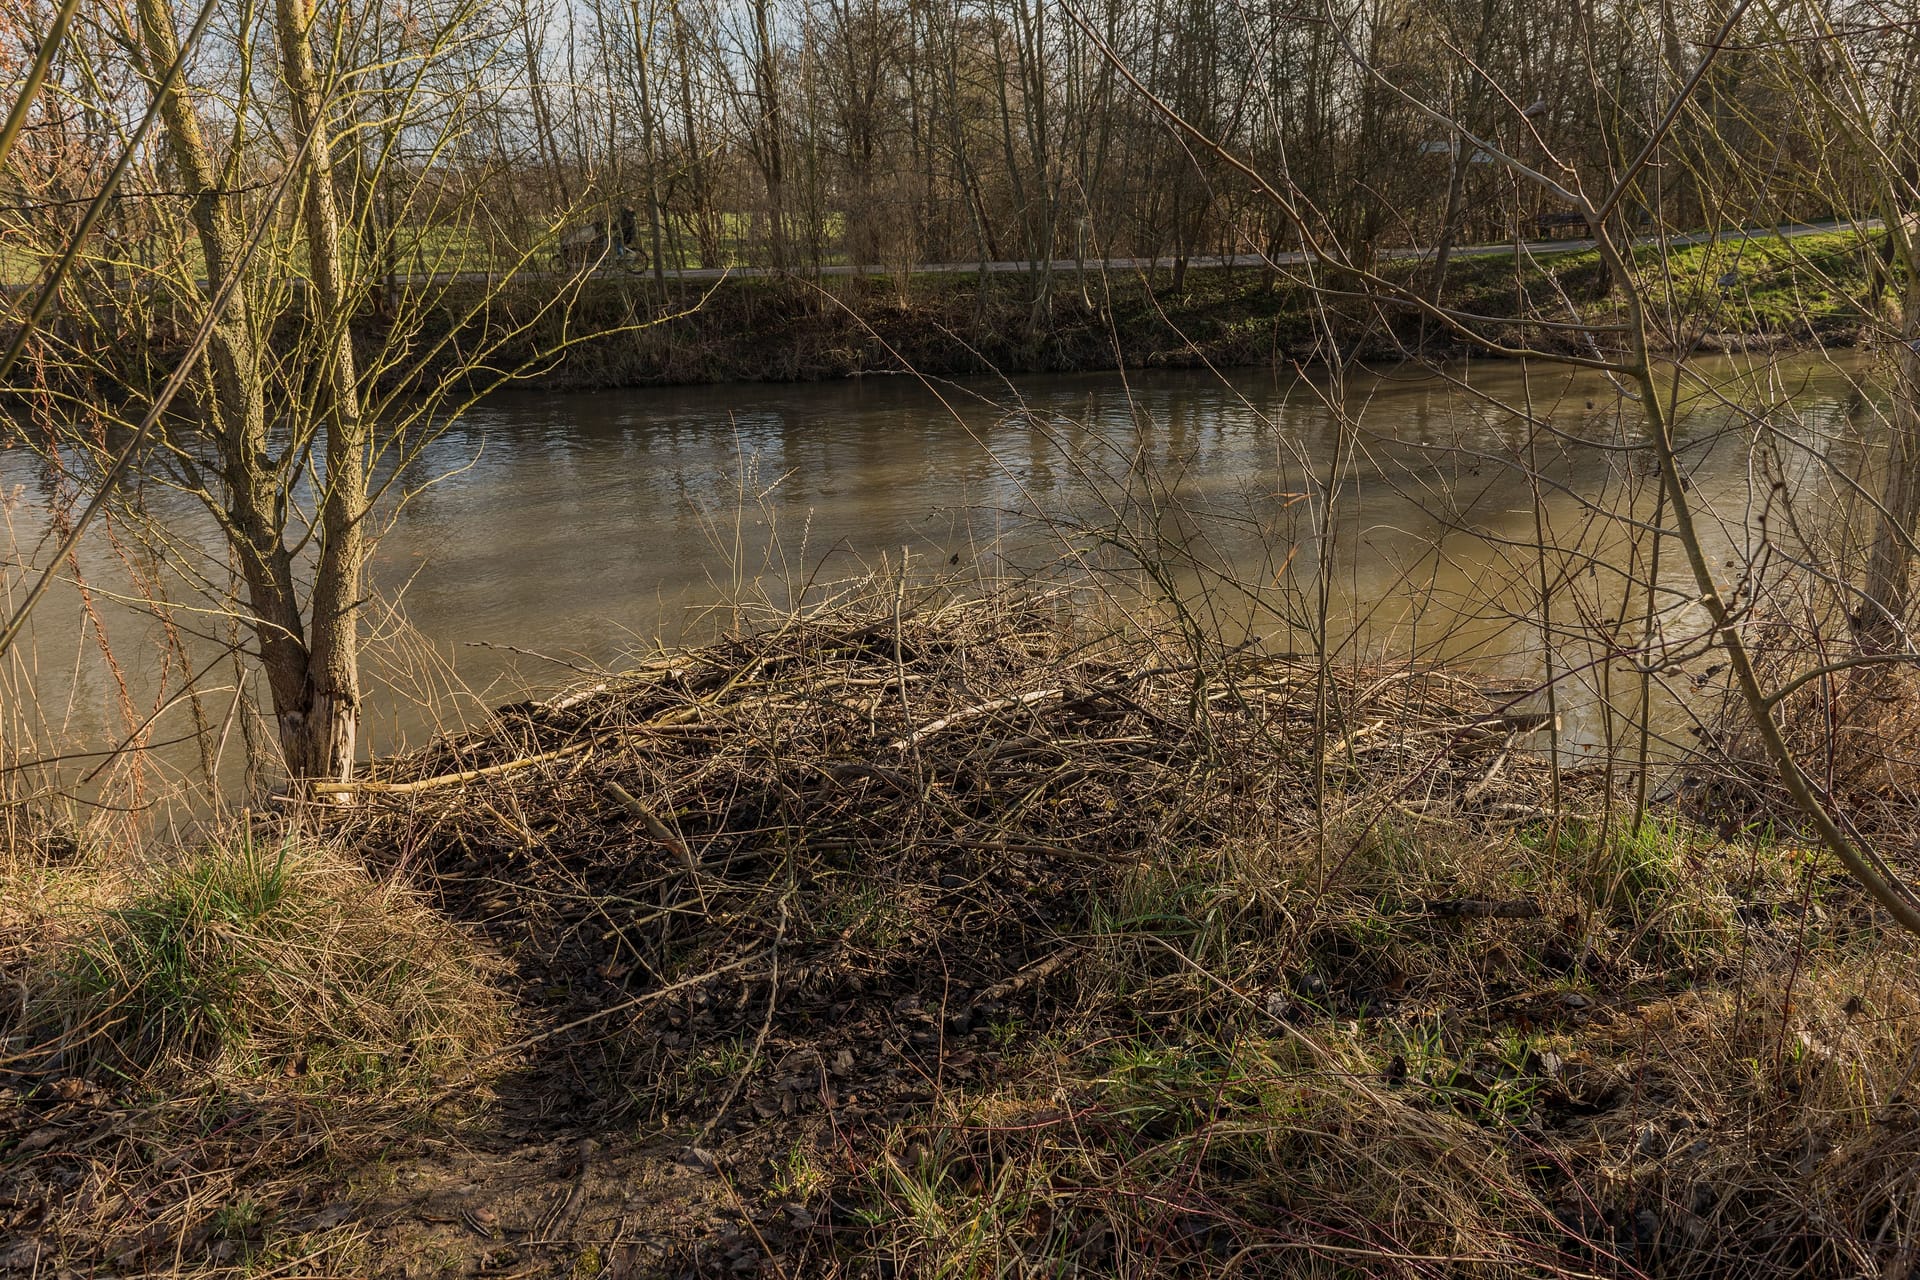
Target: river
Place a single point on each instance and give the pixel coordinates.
(541, 536)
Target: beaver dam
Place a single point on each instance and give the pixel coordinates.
(939, 936)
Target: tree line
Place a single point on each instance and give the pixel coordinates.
(794, 134)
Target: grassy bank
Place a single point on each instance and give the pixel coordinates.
(620, 332)
(937, 938)
(1727, 295)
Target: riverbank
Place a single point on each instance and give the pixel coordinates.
(619, 331)
(1742, 295)
(927, 936)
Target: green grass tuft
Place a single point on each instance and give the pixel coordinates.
(280, 960)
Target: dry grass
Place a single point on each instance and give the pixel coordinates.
(190, 1038)
(253, 957)
(1708, 1080)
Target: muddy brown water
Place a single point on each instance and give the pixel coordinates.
(541, 536)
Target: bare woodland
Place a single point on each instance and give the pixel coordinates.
(894, 135)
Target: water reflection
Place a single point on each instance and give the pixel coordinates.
(583, 526)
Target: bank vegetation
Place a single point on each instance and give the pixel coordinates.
(938, 934)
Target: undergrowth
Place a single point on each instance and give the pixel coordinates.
(1684, 1067)
(941, 939)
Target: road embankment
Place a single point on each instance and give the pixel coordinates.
(622, 329)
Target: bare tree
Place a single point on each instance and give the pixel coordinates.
(291, 443)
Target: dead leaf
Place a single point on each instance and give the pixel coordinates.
(40, 1139)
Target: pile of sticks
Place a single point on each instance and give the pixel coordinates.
(812, 814)
(961, 723)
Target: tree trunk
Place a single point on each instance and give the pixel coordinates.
(249, 511)
(321, 744)
(649, 151)
(772, 130)
(1463, 152)
(543, 125)
(706, 225)
(1889, 587)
